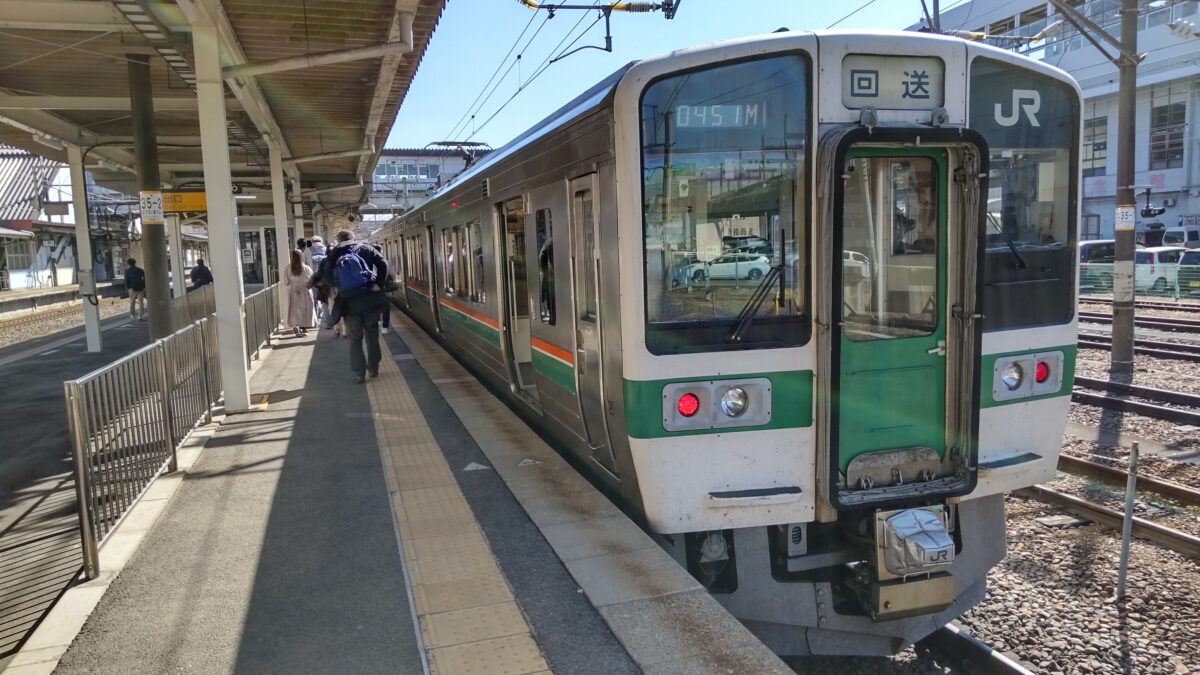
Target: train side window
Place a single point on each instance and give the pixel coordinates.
(448, 276)
(475, 244)
(463, 269)
(545, 259)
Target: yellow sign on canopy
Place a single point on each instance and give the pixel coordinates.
(183, 202)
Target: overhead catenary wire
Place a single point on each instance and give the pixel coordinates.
(545, 65)
(861, 7)
(454, 129)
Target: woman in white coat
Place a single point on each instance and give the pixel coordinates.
(300, 315)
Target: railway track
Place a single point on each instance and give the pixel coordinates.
(1164, 350)
(1145, 401)
(1170, 538)
(971, 655)
(1111, 474)
(1191, 308)
(37, 317)
(1158, 323)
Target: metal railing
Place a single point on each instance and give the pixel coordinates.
(128, 419)
(261, 317)
(193, 306)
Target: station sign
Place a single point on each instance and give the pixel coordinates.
(893, 82)
(150, 202)
(180, 201)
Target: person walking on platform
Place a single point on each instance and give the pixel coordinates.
(316, 249)
(305, 247)
(300, 301)
(358, 273)
(135, 283)
(201, 275)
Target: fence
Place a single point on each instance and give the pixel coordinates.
(128, 419)
(193, 306)
(1151, 280)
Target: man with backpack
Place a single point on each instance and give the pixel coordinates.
(357, 272)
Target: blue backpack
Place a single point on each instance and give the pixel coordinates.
(352, 272)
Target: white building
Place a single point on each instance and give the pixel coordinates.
(406, 176)
(1167, 138)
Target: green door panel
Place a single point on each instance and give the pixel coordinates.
(891, 388)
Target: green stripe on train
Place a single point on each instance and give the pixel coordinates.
(988, 378)
(480, 330)
(554, 370)
(791, 403)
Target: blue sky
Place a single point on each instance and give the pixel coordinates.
(474, 35)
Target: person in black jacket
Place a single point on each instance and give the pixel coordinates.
(361, 306)
(201, 275)
(135, 283)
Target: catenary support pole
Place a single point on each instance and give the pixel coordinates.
(154, 238)
(84, 259)
(222, 214)
(283, 243)
(175, 242)
(1122, 329)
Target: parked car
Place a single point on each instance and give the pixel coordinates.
(1155, 269)
(1189, 273)
(1096, 258)
(731, 266)
(859, 260)
(1188, 237)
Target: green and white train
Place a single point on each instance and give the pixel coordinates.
(803, 304)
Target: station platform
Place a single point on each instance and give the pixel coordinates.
(412, 524)
(33, 298)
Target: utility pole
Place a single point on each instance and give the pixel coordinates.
(1126, 62)
(1122, 326)
(154, 236)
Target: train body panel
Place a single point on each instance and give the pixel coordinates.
(790, 300)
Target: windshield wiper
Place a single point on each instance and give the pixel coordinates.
(1011, 246)
(751, 309)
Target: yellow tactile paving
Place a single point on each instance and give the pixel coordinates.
(469, 620)
(514, 655)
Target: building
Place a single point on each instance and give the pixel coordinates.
(1167, 159)
(406, 176)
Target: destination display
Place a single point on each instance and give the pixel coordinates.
(722, 115)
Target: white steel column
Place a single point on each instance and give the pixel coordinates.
(222, 213)
(175, 243)
(83, 246)
(283, 243)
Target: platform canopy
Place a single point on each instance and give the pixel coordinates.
(324, 77)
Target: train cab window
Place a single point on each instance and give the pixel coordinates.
(724, 203)
(1031, 125)
(890, 241)
(545, 259)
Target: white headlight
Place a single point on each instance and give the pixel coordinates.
(734, 401)
(1012, 376)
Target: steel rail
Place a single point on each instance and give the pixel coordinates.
(972, 655)
(1115, 395)
(1175, 540)
(1148, 393)
(1161, 349)
(1191, 308)
(1177, 491)
(1160, 323)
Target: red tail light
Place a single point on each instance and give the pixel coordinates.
(1041, 372)
(688, 404)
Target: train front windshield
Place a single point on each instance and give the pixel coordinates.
(1031, 124)
(723, 199)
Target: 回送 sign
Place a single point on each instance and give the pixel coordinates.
(893, 82)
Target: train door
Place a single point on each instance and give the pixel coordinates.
(890, 339)
(585, 273)
(430, 255)
(517, 337)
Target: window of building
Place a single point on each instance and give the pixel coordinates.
(545, 259)
(1166, 135)
(17, 253)
(1095, 147)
